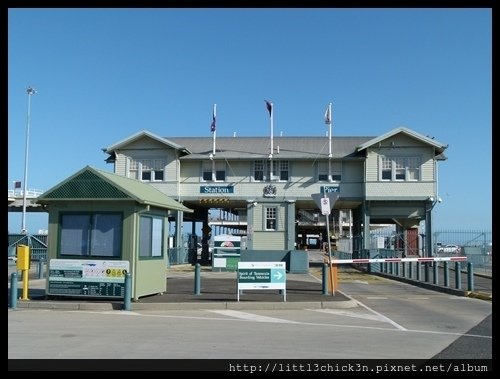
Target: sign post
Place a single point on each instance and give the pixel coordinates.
(326, 203)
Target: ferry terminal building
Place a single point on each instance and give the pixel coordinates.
(389, 179)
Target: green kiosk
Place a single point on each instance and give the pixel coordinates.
(101, 227)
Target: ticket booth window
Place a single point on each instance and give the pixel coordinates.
(91, 235)
(151, 237)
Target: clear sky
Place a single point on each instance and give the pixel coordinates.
(105, 74)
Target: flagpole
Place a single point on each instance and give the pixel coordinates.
(272, 128)
(330, 131)
(215, 129)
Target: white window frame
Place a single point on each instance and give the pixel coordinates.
(214, 168)
(280, 168)
(401, 169)
(271, 214)
(332, 171)
(139, 167)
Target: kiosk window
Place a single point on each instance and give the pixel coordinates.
(150, 237)
(91, 235)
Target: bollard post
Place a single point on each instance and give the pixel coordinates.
(197, 280)
(40, 268)
(458, 281)
(446, 274)
(435, 273)
(127, 294)
(470, 276)
(324, 282)
(13, 290)
(418, 271)
(426, 271)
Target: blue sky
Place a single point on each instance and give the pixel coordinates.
(105, 74)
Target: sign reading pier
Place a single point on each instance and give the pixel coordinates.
(93, 278)
(262, 276)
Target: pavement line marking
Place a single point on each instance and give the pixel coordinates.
(360, 281)
(252, 316)
(377, 297)
(394, 323)
(418, 298)
(341, 312)
(225, 319)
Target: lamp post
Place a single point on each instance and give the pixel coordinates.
(30, 91)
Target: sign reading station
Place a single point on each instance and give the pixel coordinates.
(93, 278)
(217, 189)
(261, 275)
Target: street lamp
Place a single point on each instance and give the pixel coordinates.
(30, 91)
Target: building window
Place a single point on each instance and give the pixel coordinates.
(262, 172)
(400, 168)
(91, 235)
(329, 173)
(148, 170)
(214, 171)
(271, 218)
(150, 237)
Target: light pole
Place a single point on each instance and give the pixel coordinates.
(30, 91)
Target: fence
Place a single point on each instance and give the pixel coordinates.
(36, 242)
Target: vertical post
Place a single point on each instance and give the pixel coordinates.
(410, 273)
(30, 91)
(426, 271)
(127, 295)
(446, 274)
(25, 284)
(435, 273)
(391, 267)
(324, 280)
(197, 280)
(418, 271)
(397, 268)
(40, 268)
(470, 276)
(13, 290)
(403, 269)
(458, 274)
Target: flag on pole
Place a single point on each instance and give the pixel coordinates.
(212, 127)
(17, 185)
(328, 116)
(269, 106)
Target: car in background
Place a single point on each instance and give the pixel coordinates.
(448, 249)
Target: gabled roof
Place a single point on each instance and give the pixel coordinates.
(92, 184)
(141, 134)
(440, 147)
(284, 147)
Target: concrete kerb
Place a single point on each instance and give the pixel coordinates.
(254, 305)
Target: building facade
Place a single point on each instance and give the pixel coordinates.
(389, 179)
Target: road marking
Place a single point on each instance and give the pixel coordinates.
(375, 312)
(252, 316)
(377, 297)
(360, 281)
(323, 325)
(418, 298)
(341, 312)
